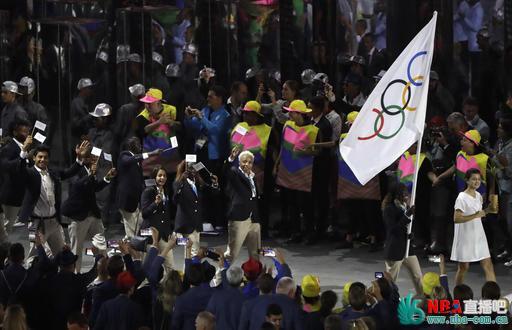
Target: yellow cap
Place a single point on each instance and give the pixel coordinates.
(152, 95)
(473, 136)
(298, 106)
(351, 117)
(310, 286)
(430, 280)
(346, 289)
(253, 106)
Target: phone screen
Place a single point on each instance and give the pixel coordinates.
(112, 244)
(182, 241)
(145, 232)
(205, 175)
(269, 252)
(379, 274)
(436, 259)
(88, 252)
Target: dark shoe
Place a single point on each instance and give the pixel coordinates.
(375, 247)
(345, 245)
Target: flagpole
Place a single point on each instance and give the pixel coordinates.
(413, 193)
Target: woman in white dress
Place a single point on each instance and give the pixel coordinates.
(469, 241)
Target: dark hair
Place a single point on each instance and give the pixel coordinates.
(395, 191)
(42, 148)
(506, 124)
(219, 92)
(318, 102)
(130, 143)
(235, 86)
(491, 290)
(78, 318)
(194, 274)
(362, 22)
(333, 322)
(369, 35)
(294, 86)
(311, 300)
(462, 292)
(357, 296)
(328, 300)
(470, 172)
(115, 266)
(154, 171)
(17, 123)
(385, 288)
(266, 283)
(16, 253)
(470, 101)
(274, 309)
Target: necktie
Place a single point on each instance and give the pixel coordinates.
(194, 188)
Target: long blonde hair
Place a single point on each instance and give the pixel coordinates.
(15, 318)
(170, 288)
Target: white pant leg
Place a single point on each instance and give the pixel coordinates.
(393, 268)
(412, 265)
(10, 216)
(130, 221)
(77, 236)
(237, 232)
(54, 235)
(253, 240)
(169, 258)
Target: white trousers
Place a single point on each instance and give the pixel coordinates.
(240, 232)
(91, 228)
(7, 220)
(412, 265)
(53, 234)
(131, 222)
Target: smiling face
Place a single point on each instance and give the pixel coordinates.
(161, 178)
(246, 162)
(41, 160)
(474, 181)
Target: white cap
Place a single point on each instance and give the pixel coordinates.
(134, 58)
(157, 58)
(10, 86)
(190, 48)
(137, 90)
(172, 70)
(307, 76)
(29, 83)
(84, 83)
(101, 110)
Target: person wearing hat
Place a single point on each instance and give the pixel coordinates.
(177, 88)
(471, 156)
(134, 69)
(252, 270)
(82, 208)
(101, 136)
(307, 79)
(124, 125)
(12, 111)
(12, 182)
(294, 167)
(156, 124)
(122, 312)
(35, 111)
(257, 138)
(429, 281)
(66, 289)
(354, 98)
(81, 121)
(360, 201)
(311, 293)
(189, 73)
(469, 239)
(159, 80)
(440, 99)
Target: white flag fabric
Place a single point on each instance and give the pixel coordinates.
(393, 117)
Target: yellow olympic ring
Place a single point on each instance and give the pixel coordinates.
(404, 91)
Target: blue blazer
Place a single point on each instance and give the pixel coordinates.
(254, 312)
(226, 304)
(188, 305)
(120, 313)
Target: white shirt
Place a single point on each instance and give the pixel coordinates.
(251, 180)
(45, 206)
(193, 185)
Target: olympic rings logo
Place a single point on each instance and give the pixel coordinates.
(393, 109)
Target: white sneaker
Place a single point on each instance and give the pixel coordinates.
(508, 263)
(19, 224)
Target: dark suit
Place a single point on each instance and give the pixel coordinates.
(33, 188)
(396, 238)
(102, 293)
(130, 181)
(120, 313)
(13, 183)
(242, 204)
(188, 214)
(255, 310)
(188, 305)
(81, 200)
(154, 215)
(226, 304)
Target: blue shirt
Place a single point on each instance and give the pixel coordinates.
(216, 126)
